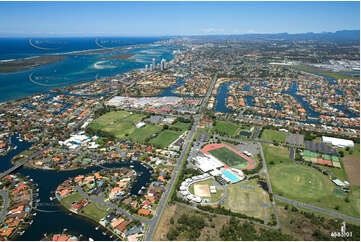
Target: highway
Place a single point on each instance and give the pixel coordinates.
(4, 211)
(316, 209)
(163, 202)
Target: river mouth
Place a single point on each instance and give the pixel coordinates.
(51, 216)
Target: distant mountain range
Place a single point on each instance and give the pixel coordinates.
(332, 36)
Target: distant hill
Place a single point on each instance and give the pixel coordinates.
(332, 36)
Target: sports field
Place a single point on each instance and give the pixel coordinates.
(276, 154)
(213, 197)
(248, 198)
(228, 156)
(226, 128)
(165, 138)
(310, 186)
(273, 135)
(182, 126)
(202, 190)
(121, 124)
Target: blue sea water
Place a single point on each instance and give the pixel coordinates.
(76, 68)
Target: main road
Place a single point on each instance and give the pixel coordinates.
(165, 197)
(316, 209)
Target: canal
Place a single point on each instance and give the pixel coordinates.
(55, 219)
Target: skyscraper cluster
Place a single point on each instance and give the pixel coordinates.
(153, 65)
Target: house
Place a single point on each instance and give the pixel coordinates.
(117, 221)
(19, 209)
(144, 212)
(161, 179)
(146, 203)
(121, 227)
(79, 178)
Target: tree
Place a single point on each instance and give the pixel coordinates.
(172, 234)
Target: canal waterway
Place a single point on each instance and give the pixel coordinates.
(57, 218)
(222, 95)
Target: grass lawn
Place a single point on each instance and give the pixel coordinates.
(74, 197)
(312, 187)
(140, 135)
(94, 211)
(165, 138)
(226, 128)
(271, 135)
(335, 75)
(214, 196)
(121, 124)
(182, 126)
(229, 157)
(277, 154)
(248, 201)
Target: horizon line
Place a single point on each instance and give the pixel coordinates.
(45, 35)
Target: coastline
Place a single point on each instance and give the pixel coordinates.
(29, 63)
(135, 68)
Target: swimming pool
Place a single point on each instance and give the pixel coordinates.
(230, 176)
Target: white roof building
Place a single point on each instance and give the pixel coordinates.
(342, 143)
(182, 188)
(184, 193)
(207, 163)
(215, 173)
(140, 124)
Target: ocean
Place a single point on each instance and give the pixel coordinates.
(77, 67)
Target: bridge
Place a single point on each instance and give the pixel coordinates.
(19, 164)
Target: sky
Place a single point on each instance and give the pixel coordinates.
(174, 18)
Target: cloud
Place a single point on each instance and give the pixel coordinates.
(213, 31)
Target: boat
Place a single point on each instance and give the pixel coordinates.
(15, 147)
(90, 239)
(20, 140)
(97, 228)
(104, 233)
(51, 198)
(131, 166)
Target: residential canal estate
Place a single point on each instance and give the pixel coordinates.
(198, 138)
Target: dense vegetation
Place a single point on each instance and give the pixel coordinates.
(190, 226)
(234, 230)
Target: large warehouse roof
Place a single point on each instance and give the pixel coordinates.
(338, 142)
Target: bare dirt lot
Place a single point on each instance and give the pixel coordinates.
(352, 167)
(163, 226)
(201, 190)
